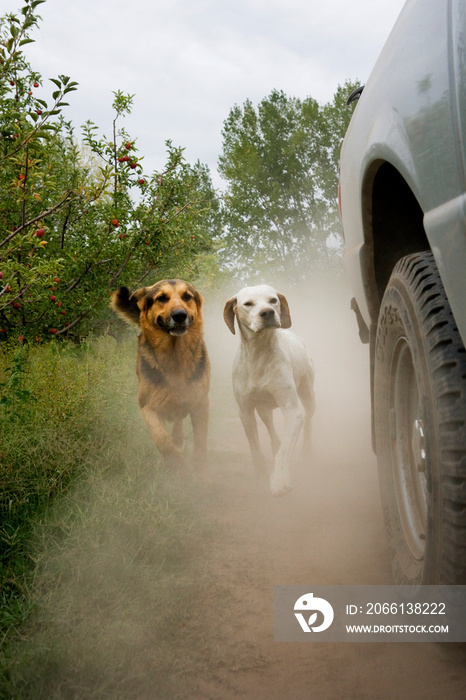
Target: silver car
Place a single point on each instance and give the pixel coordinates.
(403, 208)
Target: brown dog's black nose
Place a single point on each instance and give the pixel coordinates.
(179, 316)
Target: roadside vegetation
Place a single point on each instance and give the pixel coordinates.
(91, 529)
(57, 415)
(78, 217)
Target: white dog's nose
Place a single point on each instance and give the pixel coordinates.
(267, 313)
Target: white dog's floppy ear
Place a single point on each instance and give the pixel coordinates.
(285, 318)
(229, 314)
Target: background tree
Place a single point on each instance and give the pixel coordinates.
(280, 161)
(78, 220)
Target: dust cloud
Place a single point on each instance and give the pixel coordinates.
(335, 497)
(170, 592)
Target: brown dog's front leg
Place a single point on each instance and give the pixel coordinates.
(178, 433)
(171, 454)
(200, 423)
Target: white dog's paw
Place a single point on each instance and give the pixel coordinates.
(280, 483)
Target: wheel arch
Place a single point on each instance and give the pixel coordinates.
(393, 228)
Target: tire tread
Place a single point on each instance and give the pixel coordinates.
(447, 367)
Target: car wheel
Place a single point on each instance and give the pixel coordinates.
(420, 416)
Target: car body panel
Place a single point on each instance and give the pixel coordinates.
(412, 115)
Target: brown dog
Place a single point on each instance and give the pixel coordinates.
(172, 364)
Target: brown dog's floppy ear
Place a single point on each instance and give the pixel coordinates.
(285, 317)
(229, 314)
(126, 304)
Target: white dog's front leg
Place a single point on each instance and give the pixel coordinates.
(280, 482)
(248, 419)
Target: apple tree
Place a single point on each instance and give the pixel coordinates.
(77, 218)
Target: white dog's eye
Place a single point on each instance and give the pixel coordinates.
(273, 301)
(248, 303)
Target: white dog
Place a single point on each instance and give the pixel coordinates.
(272, 369)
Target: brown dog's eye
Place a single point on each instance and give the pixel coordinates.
(187, 296)
(163, 298)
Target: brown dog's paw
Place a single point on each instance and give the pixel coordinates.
(174, 461)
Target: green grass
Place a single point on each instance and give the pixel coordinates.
(115, 589)
(57, 407)
(106, 580)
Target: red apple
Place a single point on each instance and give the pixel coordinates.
(36, 84)
(141, 181)
(53, 297)
(115, 223)
(128, 146)
(40, 232)
(53, 331)
(133, 165)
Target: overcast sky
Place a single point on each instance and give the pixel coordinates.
(189, 61)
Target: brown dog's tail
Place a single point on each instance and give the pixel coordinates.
(126, 305)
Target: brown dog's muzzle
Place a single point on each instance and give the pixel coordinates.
(177, 323)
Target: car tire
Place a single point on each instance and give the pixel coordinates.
(420, 426)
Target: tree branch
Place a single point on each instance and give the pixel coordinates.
(125, 262)
(74, 323)
(38, 218)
